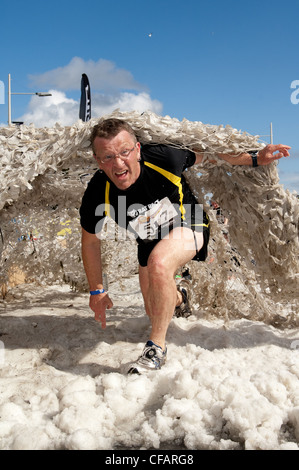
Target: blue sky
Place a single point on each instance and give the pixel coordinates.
(219, 62)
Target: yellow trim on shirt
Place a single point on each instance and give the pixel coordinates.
(107, 200)
(176, 180)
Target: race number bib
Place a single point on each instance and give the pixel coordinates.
(147, 225)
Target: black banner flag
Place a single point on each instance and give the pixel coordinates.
(85, 103)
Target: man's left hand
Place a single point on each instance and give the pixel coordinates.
(271, 152)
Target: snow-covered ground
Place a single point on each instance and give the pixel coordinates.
(63, 382)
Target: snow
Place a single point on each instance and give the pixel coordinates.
(63, 383)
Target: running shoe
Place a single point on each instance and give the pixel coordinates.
(152, 357)
(184, 309)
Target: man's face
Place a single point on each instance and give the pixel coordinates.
(123, 172)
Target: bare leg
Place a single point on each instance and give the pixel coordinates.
(157, 279)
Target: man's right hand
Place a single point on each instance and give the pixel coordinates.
(98, 304)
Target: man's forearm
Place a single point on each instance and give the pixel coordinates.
(266, 155)
(91, 255)
(241, 159)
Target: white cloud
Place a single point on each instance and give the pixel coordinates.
(103, 75)
(45, 112)
(105, 104)
(290, 182)
(111, 88)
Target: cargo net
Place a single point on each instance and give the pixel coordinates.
(252, 268)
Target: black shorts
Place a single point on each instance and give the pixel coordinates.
(145, 249)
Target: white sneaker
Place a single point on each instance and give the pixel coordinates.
(152, 357)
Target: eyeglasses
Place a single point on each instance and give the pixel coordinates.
(122, 155)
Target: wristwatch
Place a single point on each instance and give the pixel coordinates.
(254, 157)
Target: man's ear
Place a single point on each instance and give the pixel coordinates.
(138, 145)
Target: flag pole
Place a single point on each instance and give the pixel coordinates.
(271, 133)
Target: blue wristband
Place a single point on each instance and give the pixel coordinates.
(96, 292)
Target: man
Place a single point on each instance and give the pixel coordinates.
(144, 190)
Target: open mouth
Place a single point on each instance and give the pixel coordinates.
(121, 174)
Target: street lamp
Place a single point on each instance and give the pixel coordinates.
(9, 98)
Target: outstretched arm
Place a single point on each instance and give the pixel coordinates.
(265, 156)
(91, 255)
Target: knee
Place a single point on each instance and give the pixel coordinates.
(157, 267)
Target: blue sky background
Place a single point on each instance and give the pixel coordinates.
(219, 62)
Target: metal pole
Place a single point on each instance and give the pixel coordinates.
(271, 133)
(9, 97)
(9, 101)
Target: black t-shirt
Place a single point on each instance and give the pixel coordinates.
(145, 206)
